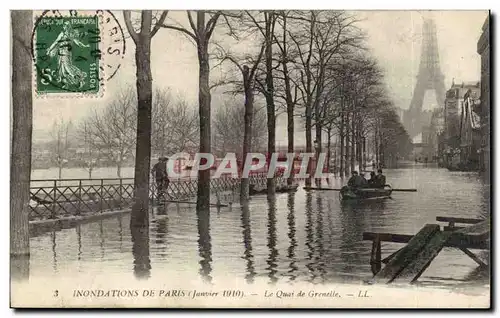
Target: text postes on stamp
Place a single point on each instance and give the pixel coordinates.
(75, 52)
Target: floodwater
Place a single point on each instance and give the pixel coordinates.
(296, 237)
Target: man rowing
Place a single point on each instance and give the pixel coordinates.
(380, 179)
(356, 181)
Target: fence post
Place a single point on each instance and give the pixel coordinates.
(54, 189)
(79, 197)
(101, 195)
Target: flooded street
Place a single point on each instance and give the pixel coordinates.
(298, 237)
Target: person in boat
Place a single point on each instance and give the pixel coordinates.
(372, 183)
(380, 179)
(356, 181)
(364, 182)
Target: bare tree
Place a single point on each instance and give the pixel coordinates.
(229, 128)
(265, 23)
(90, 156)
(251, 136)
(161, 133)
(290, 94)
(175, 124)
(200, 32)
(60, 144)
(22, 124)
(185, 129)
(142, 41)
(113, 130)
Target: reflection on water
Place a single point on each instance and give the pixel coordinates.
(140, 251)
(271, 239)
(247, 241)
(205, 244)
(293, 237)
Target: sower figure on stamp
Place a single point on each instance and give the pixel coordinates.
(67, 72)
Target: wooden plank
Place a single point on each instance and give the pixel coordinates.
(388, 258)
(473, 256)
(474, 235)
(376, 255)
(478, 229)
(457, 220)
(387, 237)
(456, 240)
(423, 259)
(407, 255)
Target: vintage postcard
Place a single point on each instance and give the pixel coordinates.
(250, 159)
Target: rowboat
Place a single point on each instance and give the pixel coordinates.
(347, 193)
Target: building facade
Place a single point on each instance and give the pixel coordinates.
(452, 117)
(470, 131)
(483, 48)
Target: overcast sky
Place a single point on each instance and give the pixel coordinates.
(393, 36)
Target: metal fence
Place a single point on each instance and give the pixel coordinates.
(63, 197)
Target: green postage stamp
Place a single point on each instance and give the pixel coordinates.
(75, 52)
(67, 55)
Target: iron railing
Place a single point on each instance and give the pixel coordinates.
(53, 198)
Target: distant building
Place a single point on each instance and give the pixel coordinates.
(470, 130)
(483, 48)
(418, 147)
(453, 106)
(401, 113)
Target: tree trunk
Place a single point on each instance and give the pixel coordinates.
(271, 115)
(247, 138)
(90, 173)
(347, 147)
(376, 146)
(140, 209)
(328, 149)
(204, 99)
(364, 153)
(290, 136)
(22, 124)
(359, 149)
(59, 172)
(318, 140)
(119, 169)
(290, 103)
(342, 145)
(308, 141)
(353, 143)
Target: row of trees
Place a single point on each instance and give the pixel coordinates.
(312, 64)
(109, 134)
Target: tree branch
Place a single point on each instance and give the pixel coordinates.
(130, 28)
(159, 22)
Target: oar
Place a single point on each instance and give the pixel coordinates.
(189, 202)
(332, 189)
(325, 189)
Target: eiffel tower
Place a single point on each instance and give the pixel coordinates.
(429, 77)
